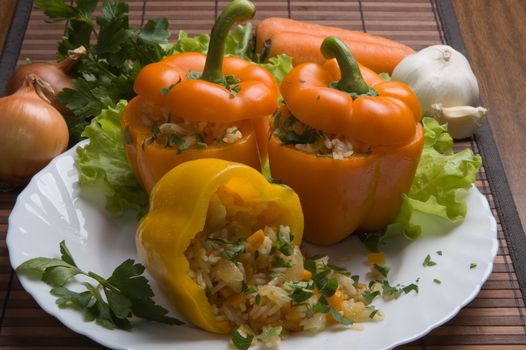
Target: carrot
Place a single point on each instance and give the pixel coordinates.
(302, 41)
(255, 240)
(375, 258)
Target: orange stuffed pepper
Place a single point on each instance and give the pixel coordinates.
(347, 142)
(192, 105)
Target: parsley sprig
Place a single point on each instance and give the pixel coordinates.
(110, 302)
(116, 53)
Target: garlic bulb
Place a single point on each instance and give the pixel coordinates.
(462, 121)
(439, 74)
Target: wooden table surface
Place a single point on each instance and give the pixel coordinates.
(494, 33)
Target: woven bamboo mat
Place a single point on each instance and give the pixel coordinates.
(494, 320)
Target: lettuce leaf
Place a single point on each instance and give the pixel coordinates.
(442, 181)
(279, 66)
(239, 42)
(102, 164)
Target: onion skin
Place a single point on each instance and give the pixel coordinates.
(33, 133)
(48, 72)
(55, 74)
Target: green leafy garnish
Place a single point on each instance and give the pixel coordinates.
(111, 303)
(271, 332)
(409, 288)
(338, 317)
(437, 281)
(241, 342)
(370, 296)
(326, 286)
(440, 186)
(106, 75)
(300, 291)
(283, 243)
(472, 265)
(232, 253)
(382, 269)
(103, 163)
(428, 262)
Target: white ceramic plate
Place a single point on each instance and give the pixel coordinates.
(51, 209)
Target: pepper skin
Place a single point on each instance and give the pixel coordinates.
(178, 209)
(177, 86)
(149, 162)
(364, 191)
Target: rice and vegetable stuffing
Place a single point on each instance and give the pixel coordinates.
(258, 280)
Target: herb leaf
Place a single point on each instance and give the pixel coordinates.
(240, 342)
(127, 293)
(66, 254)
(339, 317)
(428, 262)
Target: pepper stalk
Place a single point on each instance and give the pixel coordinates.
(351, 80)
(235, 12)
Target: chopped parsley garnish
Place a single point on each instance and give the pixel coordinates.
(167, 89)
(231, 83)
(201, 145)
(373, 313)
(410, 287)
(300, 290)
(241, 342)
(288, 135)
(472, 265)
(428, 262)
(339, 317)
(326, 286)
(394, 292)
(233, 252)
(382, 269)
(356, 280)
(283, 243)
(269, 333)
(246, 289)
(370, 296)
(437, 281)
(391, 292)
(193, 75)
(280, 262)
(439, 252)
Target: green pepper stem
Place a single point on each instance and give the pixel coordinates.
(351, 78)
(235, 12)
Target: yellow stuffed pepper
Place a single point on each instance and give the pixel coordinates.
(222, 242)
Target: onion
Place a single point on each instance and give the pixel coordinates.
(33, 132)
(55, 74)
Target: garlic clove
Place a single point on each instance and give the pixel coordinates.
(462, 121)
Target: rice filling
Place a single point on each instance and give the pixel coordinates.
(258, 280)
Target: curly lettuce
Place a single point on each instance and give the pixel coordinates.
(103, 163)
(442, 181)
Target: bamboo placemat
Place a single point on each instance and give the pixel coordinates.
(494, 320)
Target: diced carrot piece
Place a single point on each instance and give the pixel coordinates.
(255, 241)
(376, 258)
(237, 299)
(307, 275)
(336, 300)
